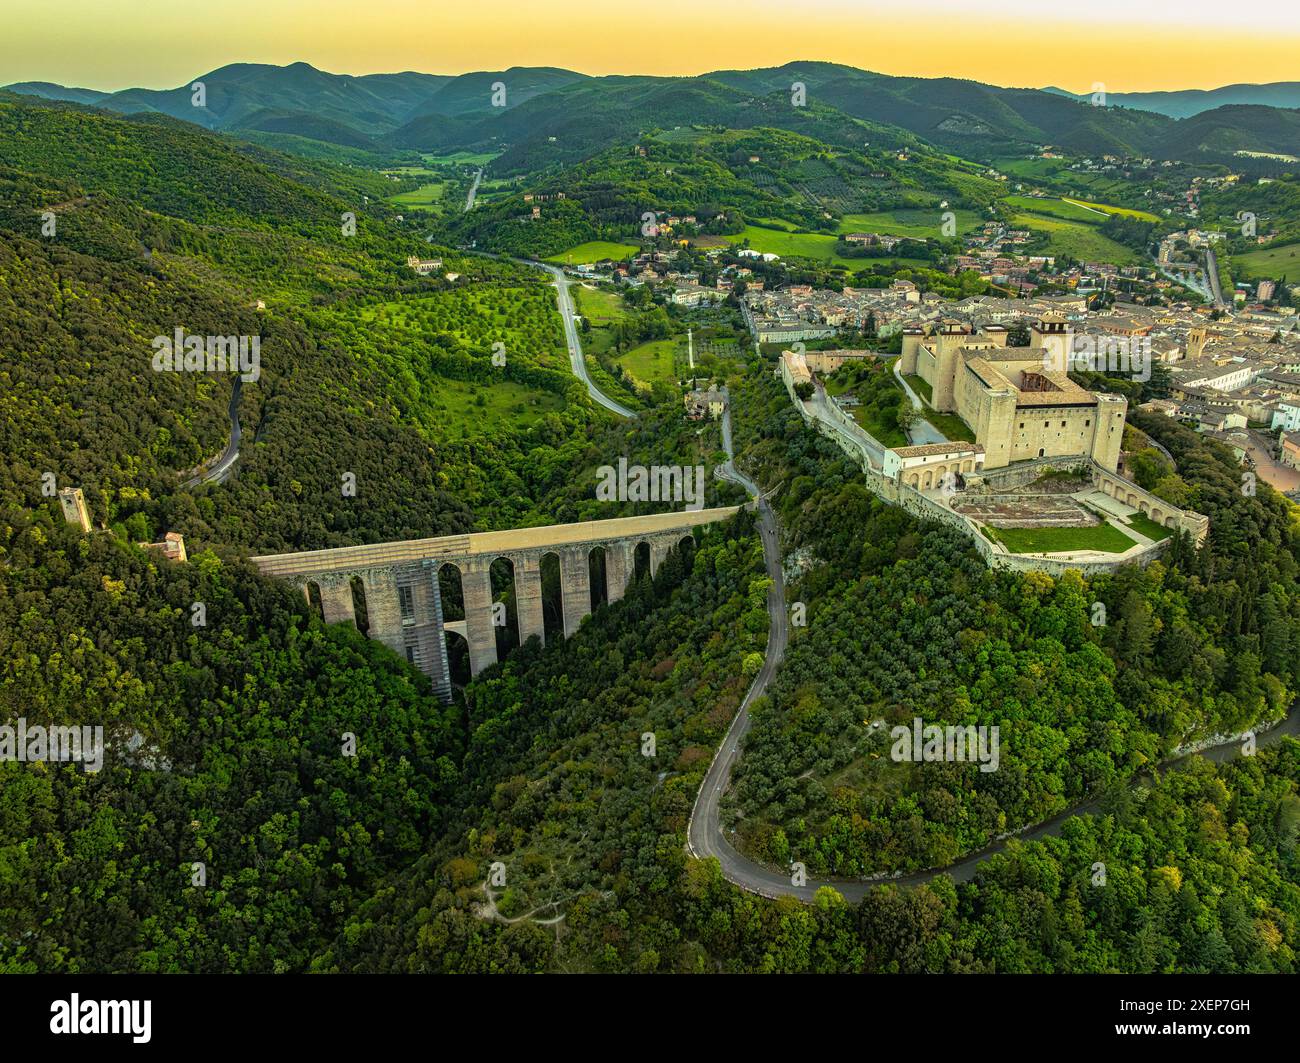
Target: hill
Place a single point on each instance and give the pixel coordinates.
(553, 115)
(1184, 103)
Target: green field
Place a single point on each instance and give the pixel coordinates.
(651, 362)
(681, 135)
(424, 196)
(819, 246)
(1056, 208)
(1030, 167)
(1269, 263)
(598, 307)
(1077, 239)
(594, 251)
(1104, 538)
(952, 426)
(919, 386)
(1080, 210)
(1110, 208)
(919, 224)
(503, 405)
(471, 158)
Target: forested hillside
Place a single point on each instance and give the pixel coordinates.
(722, 178)
(140, 248)
(904, 620)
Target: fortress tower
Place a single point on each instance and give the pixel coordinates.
(948, 340)
(74, 507)
(1053, 337)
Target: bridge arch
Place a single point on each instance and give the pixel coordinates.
(552, 594)
(641, 561)
(451, 588)
(360, 606)
(505, 604)
(458, 662)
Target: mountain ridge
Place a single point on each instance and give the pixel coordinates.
(581, 112)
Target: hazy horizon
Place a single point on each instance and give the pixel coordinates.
(185, 81)
(1167, 45)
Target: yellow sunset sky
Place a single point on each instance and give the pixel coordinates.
(1128, 45)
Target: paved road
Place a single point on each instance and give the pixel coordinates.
(226, 463)
(1212, 277)
(822, 405)
(922, 431)
(728, 471)
(704, 834)
(562, 282)
(473, 191)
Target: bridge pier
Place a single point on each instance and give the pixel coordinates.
(423, 637)
(336, 600)
(658, 551)
(480, 632)
(382, 608)
(528, 596)
(575, 587)
(619, 564)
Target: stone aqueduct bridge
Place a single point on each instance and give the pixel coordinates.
(404, 603)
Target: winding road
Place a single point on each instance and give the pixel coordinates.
(226, 463)
(565, 300)
(704, 834)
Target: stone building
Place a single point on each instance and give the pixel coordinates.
(74, 507)
(171, 547)
(1019, 401)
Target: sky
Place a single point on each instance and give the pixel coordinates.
(1125, 45)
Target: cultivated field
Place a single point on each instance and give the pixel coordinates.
(1271, 262)
(594, 251)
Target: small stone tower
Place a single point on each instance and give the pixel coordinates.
(74, 507)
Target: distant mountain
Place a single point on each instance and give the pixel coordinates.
(304, 101)
(1225, 130)
(1185, 103)
(552, 115)
(469, 94)
(582, 118)
(964, 115)
(51, 91)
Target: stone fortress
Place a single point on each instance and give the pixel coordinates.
(1019, 401)
(1047, 452)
